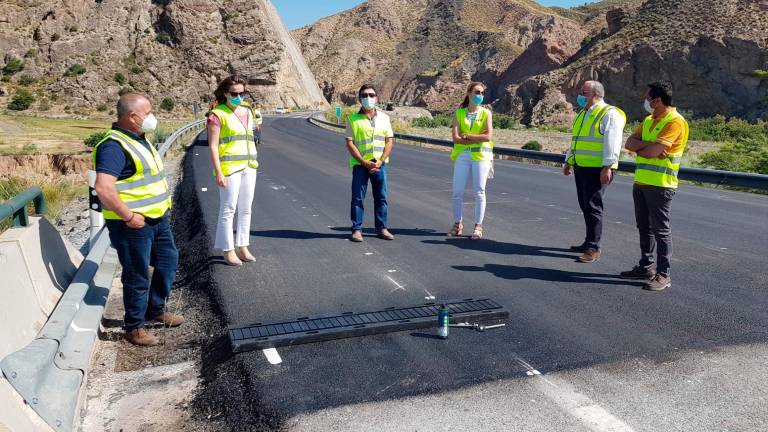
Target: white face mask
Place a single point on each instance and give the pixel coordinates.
(149, 124)
(647, 106)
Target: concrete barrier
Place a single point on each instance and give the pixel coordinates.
(36, 266)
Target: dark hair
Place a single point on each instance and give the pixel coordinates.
(661, 89)
(224, 86)
(364, 88)
(472, 85)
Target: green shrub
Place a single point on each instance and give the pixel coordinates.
(721, 130)
(137, 69)
(749, 155)
(31, 53)
(94, 138)
(74, 70)
(167, 104)
(586, 41)
(503, 121)
(26, 80)
(21, 101)
(13, 66)
(120, 78)
(124, 90)
(532, 145)
(438, 121)
(163, 38)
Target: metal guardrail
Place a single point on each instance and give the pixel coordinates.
(49, 372)
(16, 207)
(699, 175)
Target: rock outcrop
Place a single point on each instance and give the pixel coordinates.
(175, 49)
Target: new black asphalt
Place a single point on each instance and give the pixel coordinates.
(564, 315)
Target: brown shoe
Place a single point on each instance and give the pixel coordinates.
(659, 282)
(589, 256)
(386, 235)
(638, 273)
(169, 319)
(357, 236)
(141, 337)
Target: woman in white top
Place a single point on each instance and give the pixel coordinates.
(472, 155)
(233, 154)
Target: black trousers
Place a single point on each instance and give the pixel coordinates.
(591, 193)
(652, 210)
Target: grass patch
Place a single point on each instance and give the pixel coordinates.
(51, 135)
(58, 192)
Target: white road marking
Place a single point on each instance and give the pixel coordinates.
(391, 271)
(593, 416)
(429, 295)
(273, 357)
(534, 220)
(204, 189)
(315, 215)
(399, 287)
(197, 154)
(369, 253)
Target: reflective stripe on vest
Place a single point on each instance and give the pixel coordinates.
(586, 139)
(237, 145)
(146, 191)
(479, 151)
(370, 141)
(661, 172)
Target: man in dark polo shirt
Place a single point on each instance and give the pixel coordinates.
(131, 184)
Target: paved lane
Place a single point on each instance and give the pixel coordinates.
(571, 322)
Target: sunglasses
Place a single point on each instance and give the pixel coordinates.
(367, 95)
(235, 94)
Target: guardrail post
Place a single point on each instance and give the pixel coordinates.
(94, 209)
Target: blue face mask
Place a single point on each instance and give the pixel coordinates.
(581, 101)
(477, 99)
(368, 103)
(236, 101)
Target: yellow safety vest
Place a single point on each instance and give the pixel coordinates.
(145, 192)
(237, 145)
(369, 141)
(656, 171)
(480, 151)
(587, 141)
(258, 120)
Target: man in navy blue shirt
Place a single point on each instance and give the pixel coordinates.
(140, 233)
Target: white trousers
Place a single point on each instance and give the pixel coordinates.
(462, 168)
(237, 197)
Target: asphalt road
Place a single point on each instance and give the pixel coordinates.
(583, 350)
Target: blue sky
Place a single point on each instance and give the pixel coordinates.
(298, 13)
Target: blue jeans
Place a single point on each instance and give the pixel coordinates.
(360, 177)
(137, 249)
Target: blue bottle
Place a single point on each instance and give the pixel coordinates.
(443, 321)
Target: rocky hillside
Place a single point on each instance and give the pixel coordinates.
(423, 52)
(80, 54)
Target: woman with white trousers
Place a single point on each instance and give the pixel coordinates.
(233, 154)
(472, 155)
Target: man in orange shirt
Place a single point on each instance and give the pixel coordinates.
(659, 143)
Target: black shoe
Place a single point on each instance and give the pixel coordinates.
(580, 248)
(638, 273)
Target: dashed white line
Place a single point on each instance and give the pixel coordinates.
(273, 357)
(592, 415)
(399, 287)
(204, 189)
(391, 271)
(369, 253)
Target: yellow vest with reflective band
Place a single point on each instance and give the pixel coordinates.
(237, 146)
(257, 119)
(369, 141)
(145, 192)
(655, 171)
(480, 151)
(587, 141)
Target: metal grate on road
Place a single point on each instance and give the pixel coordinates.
(351, 324)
